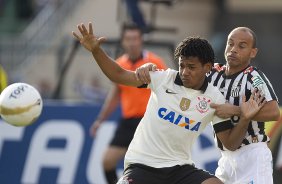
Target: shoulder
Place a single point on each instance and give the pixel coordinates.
(218, 67)
(163, 76)
(212, 90)
(255, 74)
(215, 94)
(250, 70)
(164, 73)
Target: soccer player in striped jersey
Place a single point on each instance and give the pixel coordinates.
(176, 114)
(252, 161)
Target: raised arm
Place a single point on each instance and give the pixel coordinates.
(111, 69)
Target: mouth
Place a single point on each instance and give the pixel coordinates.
(185, 79)
(231, 57)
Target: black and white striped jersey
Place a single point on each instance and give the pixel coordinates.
(234, 87)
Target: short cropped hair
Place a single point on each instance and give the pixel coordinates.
(130, 26)
(195, 47)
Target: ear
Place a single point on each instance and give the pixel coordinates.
(207, 67)
(254, 53)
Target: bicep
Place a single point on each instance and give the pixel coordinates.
(269, 112)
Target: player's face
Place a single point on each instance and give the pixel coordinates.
(132, 43)
(193, 72)
(239, 49)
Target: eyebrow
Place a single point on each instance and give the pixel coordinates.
(241, 42)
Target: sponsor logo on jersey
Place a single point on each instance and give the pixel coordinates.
(184, 104)
(257, 81)
(178, 119)
(203, 104)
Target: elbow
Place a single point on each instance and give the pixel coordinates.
(277, 116)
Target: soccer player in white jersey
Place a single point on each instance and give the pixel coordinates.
(177, 112)
(251, 162)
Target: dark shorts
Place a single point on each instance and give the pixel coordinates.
(185, 174)
(125, 132)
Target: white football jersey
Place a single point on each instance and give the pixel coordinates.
(174, 118)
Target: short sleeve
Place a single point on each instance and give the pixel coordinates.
(157, 78)
(221, 124)
(261, 82)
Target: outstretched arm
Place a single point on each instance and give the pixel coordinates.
(111, 69)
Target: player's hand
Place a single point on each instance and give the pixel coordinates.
(250, 108)
(87, 38)
(94, 128)
(142, 73)
(226, 110)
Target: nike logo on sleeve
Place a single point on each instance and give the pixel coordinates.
(169, 92)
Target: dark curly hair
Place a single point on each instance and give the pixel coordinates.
(195, 47)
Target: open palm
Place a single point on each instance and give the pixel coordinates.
(87, 38)
(250, 108)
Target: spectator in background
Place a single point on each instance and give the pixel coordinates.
(3, 79)
(133, 101)
(136, 14)
(92, 91)
(45, 88)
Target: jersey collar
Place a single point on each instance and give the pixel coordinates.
(179, 82)
(233, 75)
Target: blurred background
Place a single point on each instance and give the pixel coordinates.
(37, 47)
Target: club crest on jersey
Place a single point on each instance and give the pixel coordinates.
(184, 104)
(203, 104)
(235, 91)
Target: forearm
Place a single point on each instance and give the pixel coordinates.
(110, 105)
(113, 71)
(236, 135)
(108, 66)
(105, 112)
(232, 138)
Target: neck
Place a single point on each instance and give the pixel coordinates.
(136, 57)
(199, 87)
(235, 69)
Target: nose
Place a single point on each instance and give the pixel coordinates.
(233, 49)
(186, 71)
